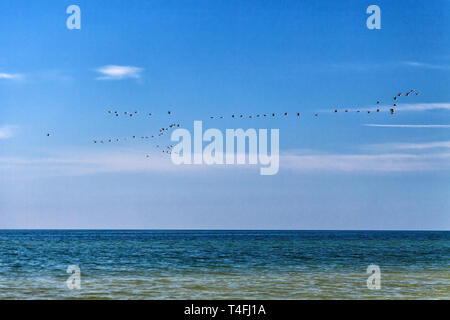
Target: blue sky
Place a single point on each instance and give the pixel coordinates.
(202, 58)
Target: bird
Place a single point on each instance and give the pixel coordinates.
(378, 102)
(109, 111)
(150, 114)
(148, 156)
(378, 110)
(316, 114)
(298, 114)
(117, 114)
(346, 110)
(391, 111)
(273, 114)
(168, 112)
(241, 116)
(285, 113)
(95, 141)
(212, 117)
(232, 115)
(399, 94)
(368, 111)
(395, 98)
(48, 134)
(335, 110)
(125, 112)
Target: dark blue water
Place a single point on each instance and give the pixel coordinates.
(224, 264)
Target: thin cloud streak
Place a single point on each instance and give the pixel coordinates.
(133, 161)
(11, 76)
(389, 162)
(426, 65)
(114, 72)
(408, 125)
(7, 131)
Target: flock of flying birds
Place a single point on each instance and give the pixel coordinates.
(164, 130)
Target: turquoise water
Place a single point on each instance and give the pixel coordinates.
(224, 264)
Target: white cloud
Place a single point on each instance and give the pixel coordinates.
(113, 72)
(425, 65)
(7, 131)
(11, 76)
(423, 106)
(408, 125)
(388, 162)
(412, 157)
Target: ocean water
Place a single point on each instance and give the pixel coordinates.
(224, 264)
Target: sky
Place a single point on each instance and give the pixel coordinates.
(216, 58)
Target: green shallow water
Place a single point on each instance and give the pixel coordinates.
(224, 264)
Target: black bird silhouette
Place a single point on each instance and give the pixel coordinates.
(298, 114)
(391, 111)
(168, 112)
(378, 102)
(285, 113)
(48, 134)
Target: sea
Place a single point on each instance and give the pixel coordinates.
(237, 264)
